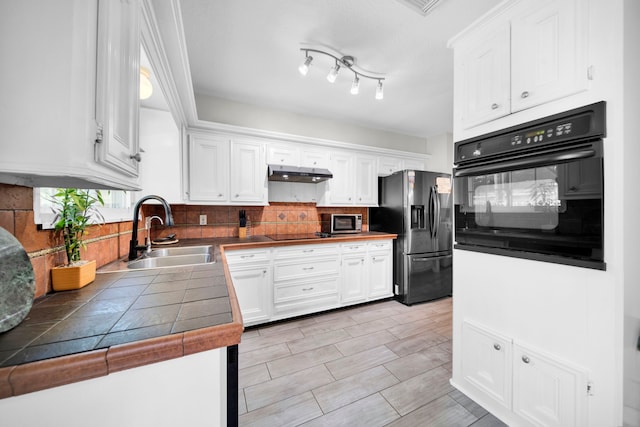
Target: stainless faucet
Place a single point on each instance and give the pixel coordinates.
(133, 244)
(147, 225)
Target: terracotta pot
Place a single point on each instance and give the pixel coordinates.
(75, 277)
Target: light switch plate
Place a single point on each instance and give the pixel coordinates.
(203, 220)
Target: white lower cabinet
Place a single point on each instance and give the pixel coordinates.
(354, 273)
(538, 389)
(252, 276)
(287, 281)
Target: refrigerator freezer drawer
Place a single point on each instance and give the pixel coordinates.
(427, 278)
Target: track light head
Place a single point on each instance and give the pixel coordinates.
(355, 86)
(304, 68)
(379, 90)
(333, 73)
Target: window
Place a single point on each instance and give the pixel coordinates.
(117, 207)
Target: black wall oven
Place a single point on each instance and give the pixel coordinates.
(535, 191)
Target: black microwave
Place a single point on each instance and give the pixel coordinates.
(341, 223)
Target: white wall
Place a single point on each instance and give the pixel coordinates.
(440, 147)
(160, 167)
(576, 314)
(631, 94)
(252, 116)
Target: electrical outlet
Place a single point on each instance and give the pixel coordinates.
(203, 220)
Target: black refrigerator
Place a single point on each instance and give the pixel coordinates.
(416, 205)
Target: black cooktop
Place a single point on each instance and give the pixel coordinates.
(297, 236)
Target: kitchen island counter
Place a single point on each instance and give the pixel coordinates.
(128, 319)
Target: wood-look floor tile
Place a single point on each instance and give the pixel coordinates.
(417, 363)
(317, 341)
(365, 342)
(262, 355)
(253, 375)
(280, 327)
(442, 412)
(304, 360)
(415, 343)
(350, 389)
(326, 326)
(261, 395)
(287, 413)
(242, 403)
(359, 362)
(488, 421)
(249, 333)
(370, 327)
(468, 404)
(413, 328)
(259, 342)
(411, 394)
(369, 316)
(372, 411)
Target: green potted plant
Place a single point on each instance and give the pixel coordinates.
(75, 210)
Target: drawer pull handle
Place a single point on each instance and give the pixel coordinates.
(307, 289)
(524, 94)
(307, 250)
(247, 256)
(526, 359)
(307, 268)
(494, 106)
(497, 347)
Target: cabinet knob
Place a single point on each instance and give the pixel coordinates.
(219, 194)
(573, 188)
(497, 346)
(494, 106)
(315, 163)
(524, 94)
(137, 157)
(526, 359)
(237, 195)
(264, 271)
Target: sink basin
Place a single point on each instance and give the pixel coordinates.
(184, 250)
(171, 261)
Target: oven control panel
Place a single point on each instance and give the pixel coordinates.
(579, 124)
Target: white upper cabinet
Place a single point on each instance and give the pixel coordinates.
(118, 85)
(314, 158)
(483, 77)
(548, 45)
(524, 55)
(52, 93)
(280, 154)
(248, 178)
(222, 170)
(354, 182)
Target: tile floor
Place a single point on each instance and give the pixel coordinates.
(371, 365)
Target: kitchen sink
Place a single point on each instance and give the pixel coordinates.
(184, 250)
(171, 261)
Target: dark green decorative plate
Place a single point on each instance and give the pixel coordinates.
(17, 282)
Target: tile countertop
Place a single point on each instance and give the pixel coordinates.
(126, 319)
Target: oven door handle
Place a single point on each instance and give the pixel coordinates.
(526, 162)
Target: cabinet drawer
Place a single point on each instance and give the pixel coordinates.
(312, 267)
(382, 245)
(305, 251)
(352, 248)
(309, 290)
(247, 256)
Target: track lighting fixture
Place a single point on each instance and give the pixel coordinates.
(342, 61)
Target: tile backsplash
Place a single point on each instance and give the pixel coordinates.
(223, 221)
(110, 242)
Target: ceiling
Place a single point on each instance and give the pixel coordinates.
(248, 51)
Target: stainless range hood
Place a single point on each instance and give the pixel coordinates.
(285, 173)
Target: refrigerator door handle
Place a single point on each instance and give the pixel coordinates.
(432, 212)
(421, 259)
(437, 210)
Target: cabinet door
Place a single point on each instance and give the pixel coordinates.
(548, 52)
(366, 190)
(417, 165)
(486, 362)
(341, 185)
(353, 278)
(208, 168)
(118, 82)
(483, 77)
(547, 392)
(388, 165)
(252, 285)
(248, 179)
(314, 159)
(281, 155)
(380, 275)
